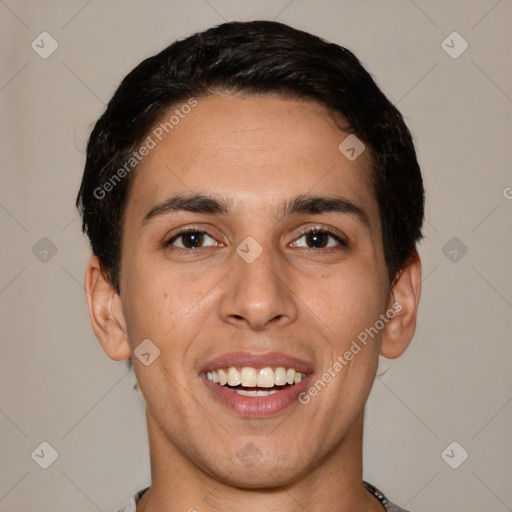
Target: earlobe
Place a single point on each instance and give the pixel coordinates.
(105, 312)
(404, 301)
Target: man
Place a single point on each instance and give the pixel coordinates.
(253, 203)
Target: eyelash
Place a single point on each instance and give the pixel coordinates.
(321, 230)
(316, 229)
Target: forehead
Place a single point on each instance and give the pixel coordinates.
(249, 149)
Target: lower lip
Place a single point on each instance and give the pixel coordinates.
(257, 406)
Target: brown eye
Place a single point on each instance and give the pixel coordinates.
(319, 239)
(316, 239)
(191, 240)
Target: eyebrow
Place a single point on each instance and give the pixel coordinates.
(303, 204)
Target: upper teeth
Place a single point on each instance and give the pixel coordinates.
(252, 377)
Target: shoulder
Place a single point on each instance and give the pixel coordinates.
(390, 507)
(131, 506)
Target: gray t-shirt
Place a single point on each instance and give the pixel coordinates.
(131, 506)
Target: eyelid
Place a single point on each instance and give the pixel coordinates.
(168, 240)
(335, 233)
(340, 237)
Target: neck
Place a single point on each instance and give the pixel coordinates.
(179, 485)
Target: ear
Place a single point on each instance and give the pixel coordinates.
(404, 300)
(106, 312)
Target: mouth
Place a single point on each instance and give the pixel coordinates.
(255, 390)
(253, 382)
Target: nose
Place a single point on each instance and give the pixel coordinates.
(258, 295)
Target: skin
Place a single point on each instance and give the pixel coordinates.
(307, 301)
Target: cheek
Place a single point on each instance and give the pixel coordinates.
(148, 300)
(347, 303)
(163, 304)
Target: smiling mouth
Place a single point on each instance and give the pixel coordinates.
(255, 382)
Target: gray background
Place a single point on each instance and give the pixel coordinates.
(454, 382)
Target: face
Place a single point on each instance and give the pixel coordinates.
(252, 252)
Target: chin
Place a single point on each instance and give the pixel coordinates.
(262, 477)
(248, 469)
